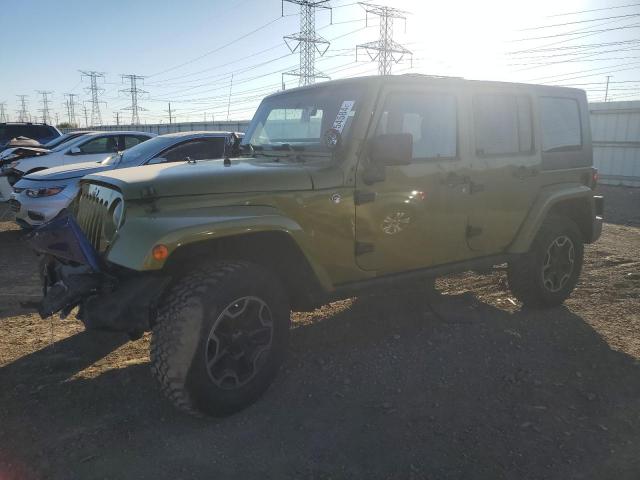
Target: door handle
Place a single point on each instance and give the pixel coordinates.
(523, 172)
(454, 180)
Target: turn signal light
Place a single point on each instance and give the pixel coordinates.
(160, 252)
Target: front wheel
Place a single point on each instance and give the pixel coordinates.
(547, 275)
(220, 337)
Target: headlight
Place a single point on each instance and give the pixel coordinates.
(43, 192)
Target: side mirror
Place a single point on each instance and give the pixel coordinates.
(75, 151)
(156, 160)
(391, 149)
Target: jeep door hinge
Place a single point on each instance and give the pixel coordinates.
(363, 247)
(361, 197)
(473, 231)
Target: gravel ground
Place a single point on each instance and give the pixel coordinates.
(467, 386)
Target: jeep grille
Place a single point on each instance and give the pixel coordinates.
(95, 216)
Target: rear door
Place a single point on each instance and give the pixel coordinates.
(505, 175)
(415, 216)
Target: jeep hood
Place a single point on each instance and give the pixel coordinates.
(68, 172)
(206, 177)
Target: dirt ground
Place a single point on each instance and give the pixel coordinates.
(471, 386)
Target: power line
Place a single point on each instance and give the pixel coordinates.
(635, 25)
(578, 21)
(307, 41)
(96, 117)
(46, 118)
(594, 10)
(134, 91)
(385, 47)
(221, 47)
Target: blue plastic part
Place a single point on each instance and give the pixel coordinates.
(63, 238)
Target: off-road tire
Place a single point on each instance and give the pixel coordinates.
(180, 336)
(525, 275)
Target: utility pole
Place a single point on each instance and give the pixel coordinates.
(134, 91)
(169, 110)
(46, 116)
(57, 119)
(96, 117)
(384, 50)
(307, 41)
(71, 107)
(86, 118)
(23, 114)
(117, 115)
(229, 101)
(606, 90)
(3, 115)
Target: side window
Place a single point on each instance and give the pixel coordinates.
(560, 123)
(100, 145)
(132, 141)
(430, 118)
(196, 150)
(503, 124)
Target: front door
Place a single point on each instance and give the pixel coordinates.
(94, 150)
(415, 216)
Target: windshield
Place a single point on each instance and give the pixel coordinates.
(300, 119)
(142, 152)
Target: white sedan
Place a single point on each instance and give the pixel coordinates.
(93, 147)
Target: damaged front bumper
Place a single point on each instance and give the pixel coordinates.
(73, 275)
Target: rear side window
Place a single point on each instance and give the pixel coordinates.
(100, 145)
(503, 124)
(560, 124)
(210, 148)
(132, 141)
(431, 119)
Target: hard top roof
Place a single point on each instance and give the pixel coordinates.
(412, 78)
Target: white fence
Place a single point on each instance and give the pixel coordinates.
(615, 130)
(162, 128)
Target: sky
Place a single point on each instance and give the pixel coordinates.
(189, 50)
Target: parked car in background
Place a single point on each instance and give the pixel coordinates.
(93, 147)
(40, 196)
(79, 147)
(22, 147)
(41, 132)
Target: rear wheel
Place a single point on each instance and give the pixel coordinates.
(547, 275)
(220, 337)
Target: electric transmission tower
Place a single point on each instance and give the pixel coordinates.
(23, 113)
(46, 116)
(307, 41)
(70, 103)
(3, 115)
(96, 117)
(134, 91)
(384, 50)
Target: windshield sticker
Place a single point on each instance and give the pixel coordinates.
(343, 114)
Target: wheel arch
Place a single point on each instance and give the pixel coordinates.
(568, 200)
(275, 250)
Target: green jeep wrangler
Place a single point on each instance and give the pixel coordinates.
(343, 187)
